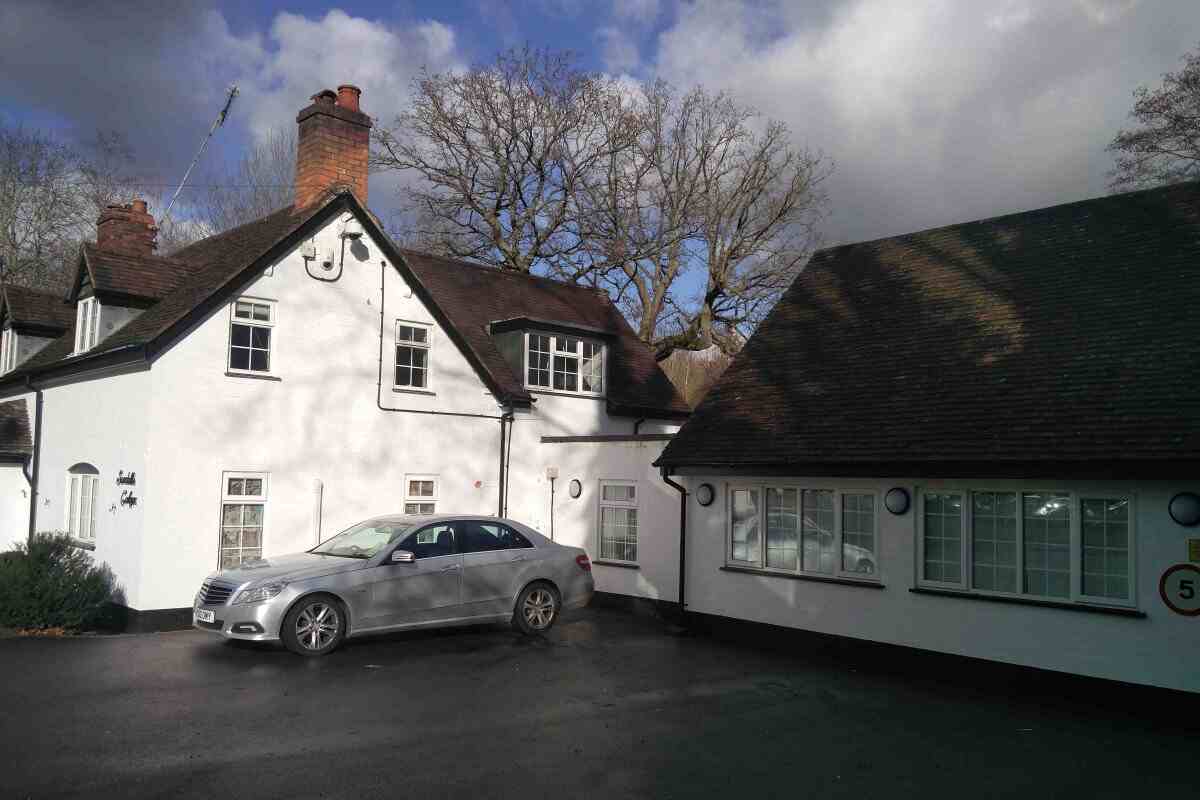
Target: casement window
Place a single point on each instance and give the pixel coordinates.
(618, 521)
(794, 529)
(83, 484)
(1051, 545)
(250, 327)
(412, 355)
(8, 350)
(87, 324)
(243, 511)
(420, 494)
(564, 364)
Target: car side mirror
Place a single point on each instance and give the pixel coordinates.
(403, 557)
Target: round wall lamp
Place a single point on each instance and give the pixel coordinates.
(575, 488)
(896, 500)
(705, 494)
(1184, 508)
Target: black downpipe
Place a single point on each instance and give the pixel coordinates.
(683, 494)
(379, 393)
(36, 460)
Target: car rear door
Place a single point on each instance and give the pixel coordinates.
(497, 561)
(426, 590)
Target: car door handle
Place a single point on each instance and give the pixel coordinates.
(451, 568)
(517, 558)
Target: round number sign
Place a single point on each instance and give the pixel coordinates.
(1180, 589)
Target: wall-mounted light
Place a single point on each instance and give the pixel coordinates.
(705, 494)
(575, 488)
(896, 500)
(1184, 508)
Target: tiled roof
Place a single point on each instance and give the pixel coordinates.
(1069, 334)
(150, 277)
(474, 296)
(15, 441)
(470, 297)
(42, 309)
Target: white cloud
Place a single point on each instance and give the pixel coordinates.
(303, 56)
(618, 51)
(637, 10)
(937, 111)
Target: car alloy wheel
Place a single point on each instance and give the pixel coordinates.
(539, 608)
(317, 625)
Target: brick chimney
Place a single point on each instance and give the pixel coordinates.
(333, 145)
(128, 229)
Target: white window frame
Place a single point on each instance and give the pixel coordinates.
(87, 324)
(601, 504)
(1075, 497)
(578, 356)
(242, 499)
(83, 479)
(427, 346)
(8, 350)
(430, 500)
(252, 323)
(839, 570)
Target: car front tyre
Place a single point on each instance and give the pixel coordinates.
(315, 626)
(537, 609)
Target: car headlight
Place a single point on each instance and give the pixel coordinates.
(256, 594)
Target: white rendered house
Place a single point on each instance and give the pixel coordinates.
(981, 440)
(262, 389)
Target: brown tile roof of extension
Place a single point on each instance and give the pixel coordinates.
(42, 311)
(467, 296)
(1057, 340)
(15, 441)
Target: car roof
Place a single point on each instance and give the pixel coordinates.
(433, 519)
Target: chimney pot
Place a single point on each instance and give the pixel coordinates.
(332, 147)
(347, 96)
(127, 229)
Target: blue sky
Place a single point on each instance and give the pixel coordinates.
(933, 111)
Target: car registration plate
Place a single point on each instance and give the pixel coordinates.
(203, 615)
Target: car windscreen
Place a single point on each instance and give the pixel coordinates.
(363, 540)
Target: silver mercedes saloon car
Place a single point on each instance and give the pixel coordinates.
(394, 573)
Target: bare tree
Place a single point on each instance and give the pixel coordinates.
(42, 211)
(261, 181)
(533, 163)
(700, 191)
(1165, 145)
(499, 152)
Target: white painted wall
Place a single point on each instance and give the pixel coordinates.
(101, 421)
(576, 520)
(1163, 649)
(14, 506)
(29, 345)
(113, 318)
(184, 422)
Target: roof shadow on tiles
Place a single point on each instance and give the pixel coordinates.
(1037, 341)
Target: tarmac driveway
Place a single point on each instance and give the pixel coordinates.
(607, 705)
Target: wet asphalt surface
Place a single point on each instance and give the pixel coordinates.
(606, 705)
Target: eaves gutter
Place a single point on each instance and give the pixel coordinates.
(125, 354)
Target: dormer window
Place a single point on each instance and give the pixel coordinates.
(560, 363)
(87, 324)
(8, 350)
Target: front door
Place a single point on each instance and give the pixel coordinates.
(426, 590)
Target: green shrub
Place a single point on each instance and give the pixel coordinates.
(49, 583)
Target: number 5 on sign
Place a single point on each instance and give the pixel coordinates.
(1180, 589)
